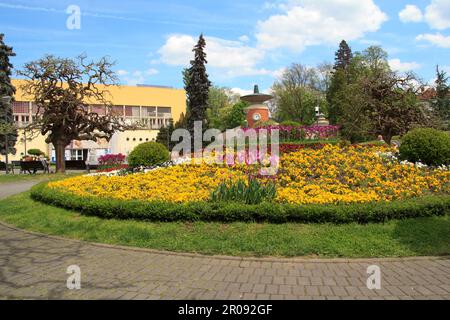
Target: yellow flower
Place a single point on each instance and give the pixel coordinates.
(331, 175)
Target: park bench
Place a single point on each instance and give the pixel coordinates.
(32, 166)
(75, 165)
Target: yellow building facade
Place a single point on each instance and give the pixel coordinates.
(151, 106)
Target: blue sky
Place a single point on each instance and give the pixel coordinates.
(248, 41)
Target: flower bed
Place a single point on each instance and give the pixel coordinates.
(329, 175)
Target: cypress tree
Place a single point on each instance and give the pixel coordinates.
(6, 89)
(442, 102)
(339, 81)
(197, 88)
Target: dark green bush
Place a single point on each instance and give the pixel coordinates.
(36, 152)
(429, 146)
(253, 193)
(262, 124)
(427, 206)
(148, 154)
(289, 123)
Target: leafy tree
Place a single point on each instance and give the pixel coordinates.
(61, 89)
(198, 85)
(442, 101)
(373, 100)
(297, 93)
(218, 101)
(237, 116)
(376, 59)
(7, 127)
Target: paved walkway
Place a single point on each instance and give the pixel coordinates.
(34, 266)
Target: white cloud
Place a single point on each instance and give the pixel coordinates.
(151, 72)
(436, 39)
(411, 13)
(122, 72)
(437, 14)
(279, 73)
(244, 38)
(309, 22)
(177, 51)
(228, 58)
(136, 77)
(241, 92)
(398, 65)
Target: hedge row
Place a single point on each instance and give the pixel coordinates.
(232, 212)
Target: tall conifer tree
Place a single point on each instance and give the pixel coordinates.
(197, 86)
(344, 56)
(6, 89)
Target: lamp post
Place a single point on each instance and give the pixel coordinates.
(6, 100)
(317, 114)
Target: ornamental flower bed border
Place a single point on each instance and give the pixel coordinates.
(379, 212)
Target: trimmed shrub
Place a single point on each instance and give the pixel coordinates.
(36, 152)
(436, 205)
(148, 154)
(429, 146)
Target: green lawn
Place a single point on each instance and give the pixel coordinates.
(414, 237)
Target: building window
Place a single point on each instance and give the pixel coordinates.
(76, 155)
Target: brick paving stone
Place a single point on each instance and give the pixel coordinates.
(34, 267)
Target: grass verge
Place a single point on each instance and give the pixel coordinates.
(398, 238)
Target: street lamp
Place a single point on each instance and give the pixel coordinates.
(317, 113)
(7, 101)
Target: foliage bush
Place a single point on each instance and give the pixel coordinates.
(36, 152)
(290, 123)
(263, 124)
(426, 206)
(253, 192)
(148, 154)
(429, 146)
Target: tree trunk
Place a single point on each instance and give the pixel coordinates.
(60, 150)
(387, 137)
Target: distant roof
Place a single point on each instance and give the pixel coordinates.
(428, 94)
(154, 86)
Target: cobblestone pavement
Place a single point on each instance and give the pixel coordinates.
(34, 266)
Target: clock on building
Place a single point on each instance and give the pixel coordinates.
(256, 116)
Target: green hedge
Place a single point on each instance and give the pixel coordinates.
(436, 205)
